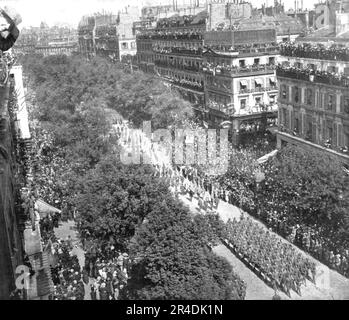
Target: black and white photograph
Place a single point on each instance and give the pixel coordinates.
(188, 151)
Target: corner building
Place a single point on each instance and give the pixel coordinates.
(240, 82)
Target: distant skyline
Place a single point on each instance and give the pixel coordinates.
(52, 12)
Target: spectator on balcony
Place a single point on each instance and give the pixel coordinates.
(9, 20)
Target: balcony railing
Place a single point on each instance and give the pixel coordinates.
(314, 51)
(258, 89)
(313, 76)
(187, 84)
(233, 71)
(230, 110)
(246, 50)
(178, 50)
(181, 21)
(176, 66)
(171, 36)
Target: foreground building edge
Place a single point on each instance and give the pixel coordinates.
(19, 221)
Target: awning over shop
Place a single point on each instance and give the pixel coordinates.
(45, 209)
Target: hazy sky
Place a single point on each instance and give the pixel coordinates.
(70, 11)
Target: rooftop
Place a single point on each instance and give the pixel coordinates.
(281, 22)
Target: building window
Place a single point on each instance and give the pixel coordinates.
(256, 61)
(330, 103)
(242, 103)
(346, 136)
(296, 94)
(272, 82)
(272, 60)
(345, 108)
(257, 100)
(124, 45)
(330, 133)
(258, 83)
(272, 99)
(286, 118)
(298, 65)
(312, 66)
(309, 134)
(284, 92)
(309, 97)
(133, 45)
(243, 85)
(296, 125)
(242, 63)
(332, 69)
(285, 64)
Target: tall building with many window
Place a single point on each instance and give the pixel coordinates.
(173, 51)
(239, 77)
(222, 59)
(109, 35)
(47, 41)
(314, 96)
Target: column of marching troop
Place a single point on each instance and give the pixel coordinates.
(182, 179)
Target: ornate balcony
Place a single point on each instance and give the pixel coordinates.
(314, 51)
(158, 35)
(176, 66)
(178, 50)
(339, 80)
(258, 89)
(238, 71)
(186, 84)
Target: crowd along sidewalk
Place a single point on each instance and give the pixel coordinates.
(69, 229)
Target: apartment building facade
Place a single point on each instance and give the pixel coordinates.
(314, 97)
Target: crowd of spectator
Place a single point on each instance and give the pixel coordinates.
(108, 270)
(315, 51)
(310, 240)
(66, 274)
(178, 21)
(47, 225)
(228, 69)
(325, 77)
(246, 48)
(170, 64)
(194, 85)
(182, 50)
(167, 35)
